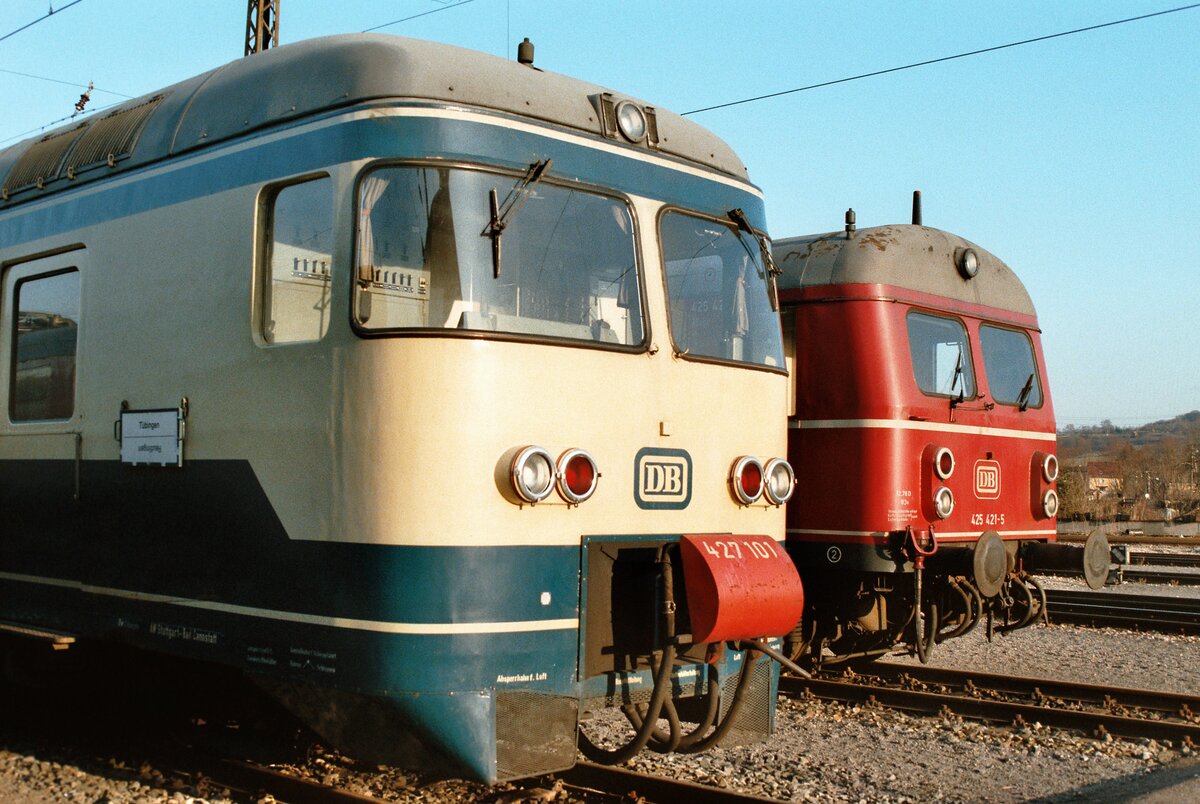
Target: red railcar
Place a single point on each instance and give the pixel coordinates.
(923, 440)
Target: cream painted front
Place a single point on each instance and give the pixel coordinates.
(394, 440)
(418, 452)
(419, 458)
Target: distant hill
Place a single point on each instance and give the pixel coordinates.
(1105, 438)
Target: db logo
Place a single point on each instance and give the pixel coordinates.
(987, 480)
(662, 478)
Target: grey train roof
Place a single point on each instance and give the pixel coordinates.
(297, 80)
(916, 257)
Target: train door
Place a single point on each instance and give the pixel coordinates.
(39, 337)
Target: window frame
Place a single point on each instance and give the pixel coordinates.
(665, 210)
(263, 269)
(967, 343)
(1033, 356)
(507, 172)
(14, 341)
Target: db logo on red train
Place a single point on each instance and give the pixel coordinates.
(987, 480)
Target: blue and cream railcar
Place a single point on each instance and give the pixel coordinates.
(401, 377)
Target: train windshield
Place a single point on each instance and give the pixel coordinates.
(425, 259)
(1010, 367)
(941, 358)
(718, 292)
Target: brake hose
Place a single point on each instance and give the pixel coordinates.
(662, 682)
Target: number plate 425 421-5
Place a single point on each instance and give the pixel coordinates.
(739, 587)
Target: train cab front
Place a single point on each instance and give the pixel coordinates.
(924, 439)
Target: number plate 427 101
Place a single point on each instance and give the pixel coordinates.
(739, 587)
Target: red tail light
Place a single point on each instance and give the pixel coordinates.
(746, 480)
(577, 475)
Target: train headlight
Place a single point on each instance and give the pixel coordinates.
(577, 475)
(532, 474)
(943, 463)
(631, 121)
(780, 481)
(943, 502)
(1050, 468)
(968, 263)
(746, 480)
(1050, 504)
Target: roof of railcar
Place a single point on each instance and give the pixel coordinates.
(917, 258)
(298, 80)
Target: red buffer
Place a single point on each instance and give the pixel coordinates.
(739, 587)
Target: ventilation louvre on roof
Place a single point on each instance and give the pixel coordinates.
(112, 137)
(43, 160)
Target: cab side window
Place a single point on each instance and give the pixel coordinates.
(298, 262)
(46, 332)
(941, 355)
(1012, 373)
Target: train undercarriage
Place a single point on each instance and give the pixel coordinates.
(857, 617)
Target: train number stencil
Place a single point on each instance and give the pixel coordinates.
(733, 549)
(662, 478)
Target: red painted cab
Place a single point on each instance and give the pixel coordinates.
(923, 441)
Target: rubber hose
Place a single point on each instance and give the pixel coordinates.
(739, 696)
(713, 699)
(662, 687)
(924, 642)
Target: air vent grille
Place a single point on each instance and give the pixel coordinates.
(43, 161)
(113, 136)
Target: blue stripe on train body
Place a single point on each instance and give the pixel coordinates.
(321, 147)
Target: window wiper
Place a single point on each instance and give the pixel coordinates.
(958, 373)
(503, 213)
(764, 249)
(1023, 397)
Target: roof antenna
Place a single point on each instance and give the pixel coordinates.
(916, 207)
(525, 52)
(850, 224)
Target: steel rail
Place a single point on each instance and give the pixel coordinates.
(258, 781)
(625, 783)
(1168, 704)
(1160, 576)
(1153, 559)
(876, 691)
(1141, 612)
(1126, 538)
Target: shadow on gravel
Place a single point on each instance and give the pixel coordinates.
(1179, 781)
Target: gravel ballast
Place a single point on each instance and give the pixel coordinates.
(821, 751)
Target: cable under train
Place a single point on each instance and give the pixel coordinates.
(435, 392)
(923, 438)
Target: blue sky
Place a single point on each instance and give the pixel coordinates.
(1075, 160)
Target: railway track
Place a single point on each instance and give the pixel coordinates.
(626, 785)
(1126, 538)
(1111, 609)
(1159, 576)
(1088, 708)
(1164, 559)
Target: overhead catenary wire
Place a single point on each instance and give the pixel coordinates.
(927, 62)
(415, 16)
(65, 83)
(45, 16)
